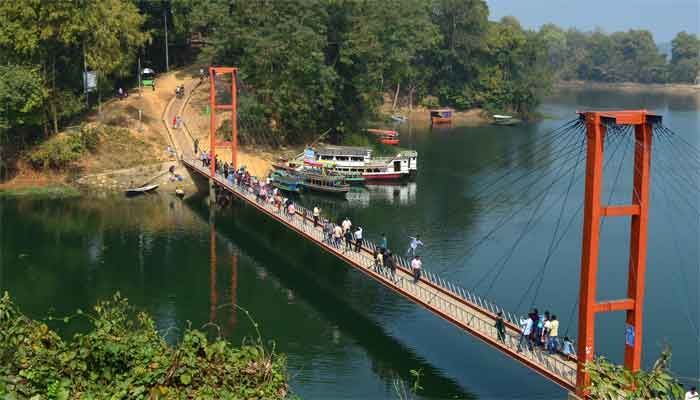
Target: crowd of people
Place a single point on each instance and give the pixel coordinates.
(538, 331)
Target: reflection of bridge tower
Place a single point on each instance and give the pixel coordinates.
(213, 293)
(596, 123)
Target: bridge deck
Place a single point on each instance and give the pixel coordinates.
(450, 302)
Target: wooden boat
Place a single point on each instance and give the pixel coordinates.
(505, 120)
(141, 189)
(383, 132)
(320, 182)
(441, 116)
(389, 141)
(287, 182)
(179, 192)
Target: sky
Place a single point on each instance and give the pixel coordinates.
(664, 18)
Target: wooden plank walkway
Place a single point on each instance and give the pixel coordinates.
(448, 301)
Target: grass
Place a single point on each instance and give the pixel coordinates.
(47, 192)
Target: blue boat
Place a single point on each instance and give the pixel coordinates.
(287, 182)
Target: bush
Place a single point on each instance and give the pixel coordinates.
(63, 149)
(123, 356)
(430, 102)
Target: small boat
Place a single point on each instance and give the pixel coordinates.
(505, 120)
(354, 178)
(141, 189)
(320, 182)
(399, 118)
(179, 192)
(287, 182)
(441, 116)
(383, 132)
(391, 141)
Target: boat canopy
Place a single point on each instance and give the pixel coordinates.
(344, 151)
(441, 112)
(148, 71)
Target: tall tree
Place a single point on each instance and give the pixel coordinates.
(685, 58)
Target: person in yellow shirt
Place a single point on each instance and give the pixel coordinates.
(553, 342)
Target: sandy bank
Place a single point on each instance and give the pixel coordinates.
(631, 87)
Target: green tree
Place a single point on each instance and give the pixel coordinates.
(51, 35)
(685, 57)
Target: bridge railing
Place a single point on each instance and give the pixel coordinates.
(456, 293)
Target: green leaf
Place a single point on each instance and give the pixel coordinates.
(185, 379)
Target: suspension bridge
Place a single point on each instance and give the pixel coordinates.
(583, 143)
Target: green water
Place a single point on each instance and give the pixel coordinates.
(346, 337)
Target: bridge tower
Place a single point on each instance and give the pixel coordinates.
(594, 211)
(213, 106)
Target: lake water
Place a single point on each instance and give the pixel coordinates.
(348, 338)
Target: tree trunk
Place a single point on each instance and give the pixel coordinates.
(54, 112)
(396, 96)
(410, 98)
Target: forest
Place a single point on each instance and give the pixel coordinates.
(310, 65)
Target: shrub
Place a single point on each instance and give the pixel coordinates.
(430, 102)
(65, 148)
(123, 356)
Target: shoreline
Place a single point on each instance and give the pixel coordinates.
(630, 87)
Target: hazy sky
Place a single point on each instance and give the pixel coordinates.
(664, 18)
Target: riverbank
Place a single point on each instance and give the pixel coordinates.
(630, 87)
(421, 115)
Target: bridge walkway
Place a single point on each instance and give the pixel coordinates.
(448, 301)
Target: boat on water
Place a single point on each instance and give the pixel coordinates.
(288, 182)
(141, 190)
(441, 116)
(348, 160)
(399, 118)
(388, 140)
(318, 181)
(383, 132)
(505, 120)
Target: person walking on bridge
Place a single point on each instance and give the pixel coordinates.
(553, 343)
(346, 224)
(358, 239)
(337, 236)
(317, 213)
(413, 246)
(525, 332)
(348, 240)
(500, 327)
(416, 266)
(692, 394)
(384, 244)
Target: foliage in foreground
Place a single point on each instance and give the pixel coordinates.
(124, 357)
(614, 382)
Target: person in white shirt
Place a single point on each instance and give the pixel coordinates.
(526, 330)
(692, 394)
(346, 224)
(413, 246)
(358, 239)
(317, 213)
(416, 266)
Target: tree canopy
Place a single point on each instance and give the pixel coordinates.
(313, 65)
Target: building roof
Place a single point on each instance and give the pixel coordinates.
(344, 151)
